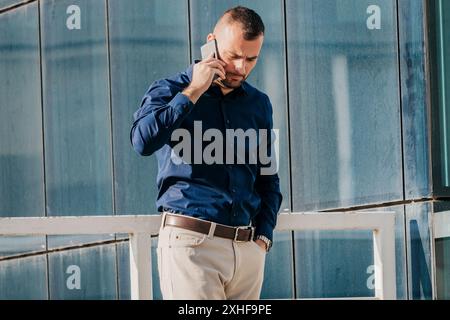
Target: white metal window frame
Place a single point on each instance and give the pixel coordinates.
(141, 227)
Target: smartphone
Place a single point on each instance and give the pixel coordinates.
(207, 49)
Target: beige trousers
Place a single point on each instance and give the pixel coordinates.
(193, 266)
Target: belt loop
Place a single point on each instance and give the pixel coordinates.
(163, 220)
(212, 228)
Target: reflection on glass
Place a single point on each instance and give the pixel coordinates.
(344, 119)
(148, 41)
(83, 274)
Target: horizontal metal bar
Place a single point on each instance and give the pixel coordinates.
(64, 225)
(335, 221)
(80, 225)
(140, 227)
(441, 224)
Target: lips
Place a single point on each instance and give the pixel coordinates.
(234, 76)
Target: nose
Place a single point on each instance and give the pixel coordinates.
(240, 66)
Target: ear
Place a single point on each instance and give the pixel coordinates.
(210, 37)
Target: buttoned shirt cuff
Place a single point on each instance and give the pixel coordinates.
(264, 229)
(181, 104)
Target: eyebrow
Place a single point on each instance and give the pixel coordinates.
(239, 56)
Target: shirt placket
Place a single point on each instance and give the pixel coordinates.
(232, 188)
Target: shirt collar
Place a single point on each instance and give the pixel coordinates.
(243, 89)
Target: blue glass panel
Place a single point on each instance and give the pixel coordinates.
(21, 163)
(10, 246)
(123, 270)
(21, 155)
(76, 240)
(418, 250)
(269, 74)
(83, 274)
(7, 3)
(345, 120)
(148, 42)
(76, 109)
(123, 260)
(331, 264)
(278, 273)
(24, 278)
(414, 99)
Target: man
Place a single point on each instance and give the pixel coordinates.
(219, 215)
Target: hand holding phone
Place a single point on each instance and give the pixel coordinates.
(205, 72)
(210, 49)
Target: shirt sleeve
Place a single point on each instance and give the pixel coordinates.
(267, 185)
(162, 110)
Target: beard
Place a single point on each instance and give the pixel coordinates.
(231, 84)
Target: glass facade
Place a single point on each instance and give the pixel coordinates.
(344, 119)
(359, 94)
(21, 146)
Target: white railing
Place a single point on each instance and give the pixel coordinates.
(140, 229)
(441, 224)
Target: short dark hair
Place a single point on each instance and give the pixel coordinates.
(251, 22)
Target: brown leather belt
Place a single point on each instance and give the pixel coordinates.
(238, 234)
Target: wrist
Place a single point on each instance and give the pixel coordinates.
(265, 240)
(192, 93)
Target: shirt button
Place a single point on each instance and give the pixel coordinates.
(234, 190)
(228, 121)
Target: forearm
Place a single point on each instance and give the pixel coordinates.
(154, 125)
(268, 188)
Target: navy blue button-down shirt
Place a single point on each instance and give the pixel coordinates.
(235, 194)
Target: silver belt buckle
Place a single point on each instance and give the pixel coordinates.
(243, 228)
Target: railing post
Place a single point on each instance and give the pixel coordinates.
(140, 266)
(384, 261)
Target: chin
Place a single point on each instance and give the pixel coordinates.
(233, 84)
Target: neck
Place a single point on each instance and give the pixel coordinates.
(225, 90)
